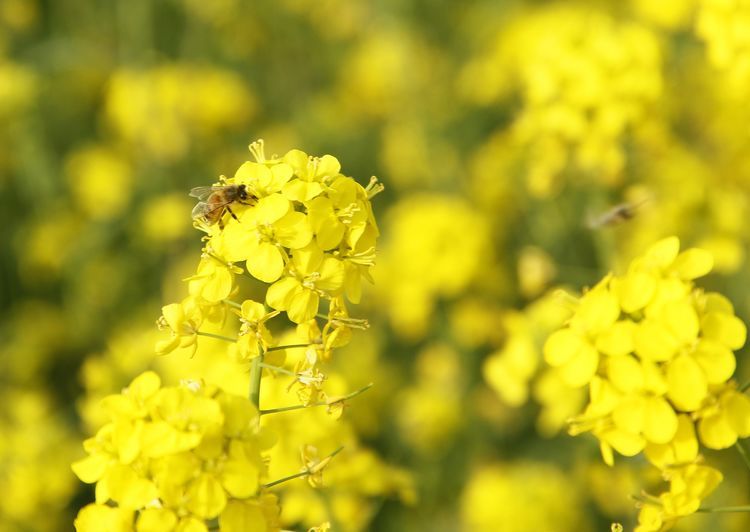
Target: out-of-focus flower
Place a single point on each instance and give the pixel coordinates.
(535, 496)
(100, 180)
(152, 108)
(585, 79)
(429, 412)
(725, 27)
(31, 427)
(438, 245)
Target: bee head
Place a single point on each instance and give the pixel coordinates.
(242, 192)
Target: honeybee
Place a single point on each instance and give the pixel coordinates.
(214, 200)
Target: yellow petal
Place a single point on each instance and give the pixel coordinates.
(271, 208)
(240, 478)
(99, 518)
(128, 489)
(266, 263)
(682, 449)
(626, 373)
(663, 253)
(304, 306)
(251, 173)
(635, 290)
(293, 230)
(331, 277)
(91, 468)
(716, 432)
(693, 263)
(160, 439)
(687, 383)
(282, 292)
(561, 346)
(205, 497)
(579, 370)
(252, 311)
(191, 524)
(724, 328)
(737, 406)
(625, 443)
(281, 173)
(618, 339)
(681, 320)
(597, 311)
(654, 342)
(716, 361)
(241, 517)
(630, 415)
(155, 520)
(660, 424)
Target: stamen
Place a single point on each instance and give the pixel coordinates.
(257, 148)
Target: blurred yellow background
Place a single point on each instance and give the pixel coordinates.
(504, 131)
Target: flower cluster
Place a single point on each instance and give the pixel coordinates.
(310, 233)
(189, 457)
(657, 356)
(723, 25)
(585, 79)
(150, 108)
(174, 457)
(513, 371)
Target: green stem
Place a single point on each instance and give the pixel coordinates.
(745, 387)
(276, 368)
(291, 346)
(231, 303)
(256, 372)
(724, 509)
(743, 453)
(304, 473)
(320, 403)
(217, 336)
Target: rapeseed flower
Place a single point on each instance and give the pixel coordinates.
(178, 455)
(656, 353)
(190, 456)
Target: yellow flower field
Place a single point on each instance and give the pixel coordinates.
(351, 265)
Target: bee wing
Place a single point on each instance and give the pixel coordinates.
(204, 192)
(200, 210)
(203, 209)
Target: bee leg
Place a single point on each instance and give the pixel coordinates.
(233, 215)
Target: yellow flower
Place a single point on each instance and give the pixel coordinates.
(254, 337)
(311, 174)
(312, 274)
(98, 517)
(667, 349)
(192, 448)
(261, 234)
(262, 180)
(724, 419)
(182, 320)
(688, 486)
(213, 281)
